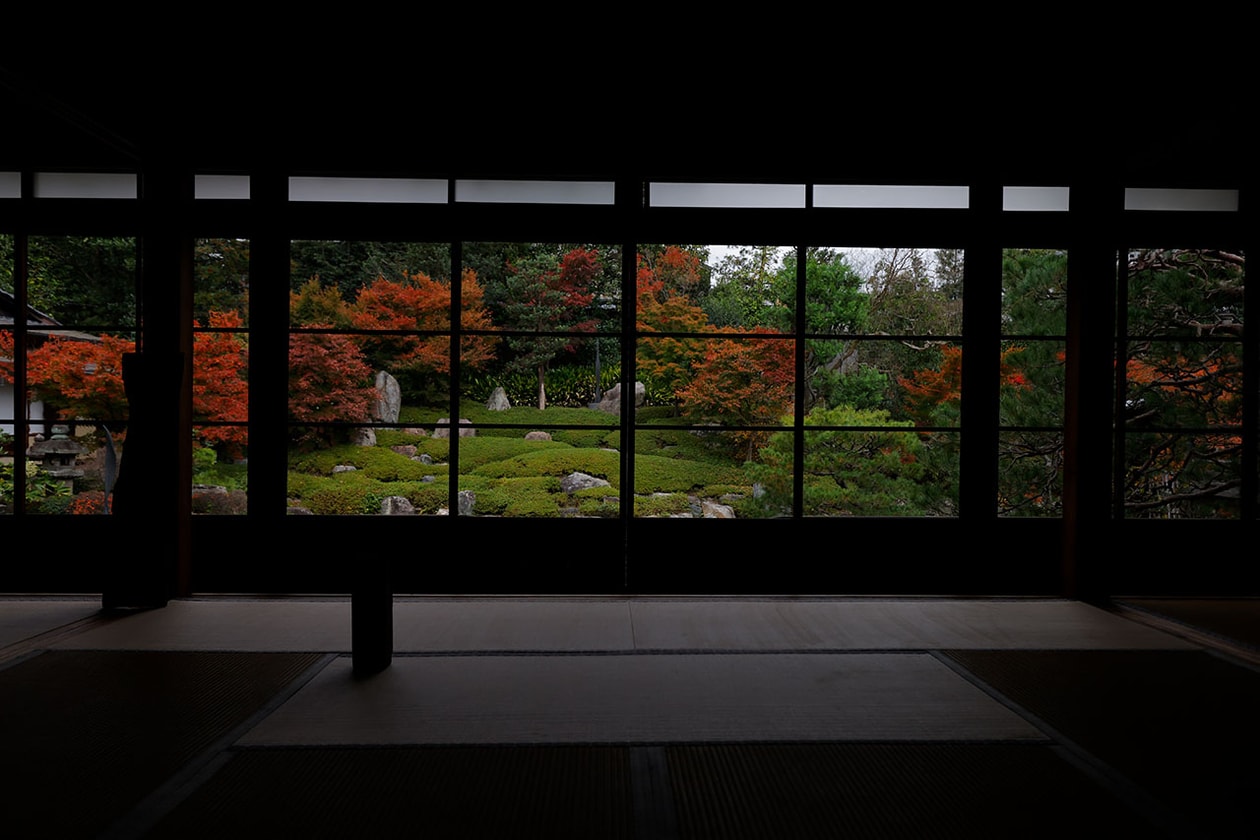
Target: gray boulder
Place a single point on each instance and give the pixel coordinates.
(388, 400)
(611, 402)
(498, 400)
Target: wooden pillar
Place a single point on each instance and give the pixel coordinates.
(152, 496)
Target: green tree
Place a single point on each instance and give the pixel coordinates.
(221, 269)
(912, 306)
(85, 282)
(547, 299)
(741, 287)
(1183, 398)
(835, 305)
(1034, 323)
(846, 473)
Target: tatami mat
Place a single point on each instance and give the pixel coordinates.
(668, 718)
(640, 699)
(22, 619)
(629, 624)
(722, 792)
(1178, 723)
(87, 735)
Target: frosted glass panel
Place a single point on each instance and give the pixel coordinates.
(368, 190)
(85, 185)
(221, 186)
(535, 192)
(10, 185)
(1169, 199)
(891, 195)
(727, 195)
(1035, 198)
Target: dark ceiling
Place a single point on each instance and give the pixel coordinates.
(112, 114)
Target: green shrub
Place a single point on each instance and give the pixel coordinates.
(567, 385)
(344, 500)
(549, 458)
(656, 474)
(662, 504)
(522, 497)
(597, 501)
(58, 503)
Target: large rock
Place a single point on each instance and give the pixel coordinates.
(498, 400)
(612, 398)
(388, 400)
(396, 506)
(576, 481)
(465, 430)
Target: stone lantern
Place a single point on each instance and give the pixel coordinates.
(58, 455)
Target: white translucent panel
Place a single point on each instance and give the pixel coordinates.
(6, 410)
(1035, 198)
(85, 185)
(221, 186)
(10, 185)
(368, 190)
(1172, 199)
(891, 195)
(535, 192)
(670, 194)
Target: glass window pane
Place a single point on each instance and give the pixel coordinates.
(1032, 384)
(220, 369)
(1034, 292)
(1184, 385)
(1179, 199)
(667, 194)
(539, 471)
(693, 473)
(366, 471)
(1030, 473)
(873, 472)
(721, 381)
(85, 185)
(546, 287)
(1053, 199)
(221, 186)
(368, 190)
(911, 291)
(1182, 292)
(83, 283)
(535, 192)
(1183, 407)
(1182, 475)
(891, 196)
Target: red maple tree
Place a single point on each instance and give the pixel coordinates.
(329, 382)
(742, 382)
(409, 323)
(220, 392)
(662, 306)
(80, 378)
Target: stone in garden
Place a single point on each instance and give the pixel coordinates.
(466, 429)
(396, 505)
(388, 400)
(498, 400)
(612, 398)
(573, 482)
